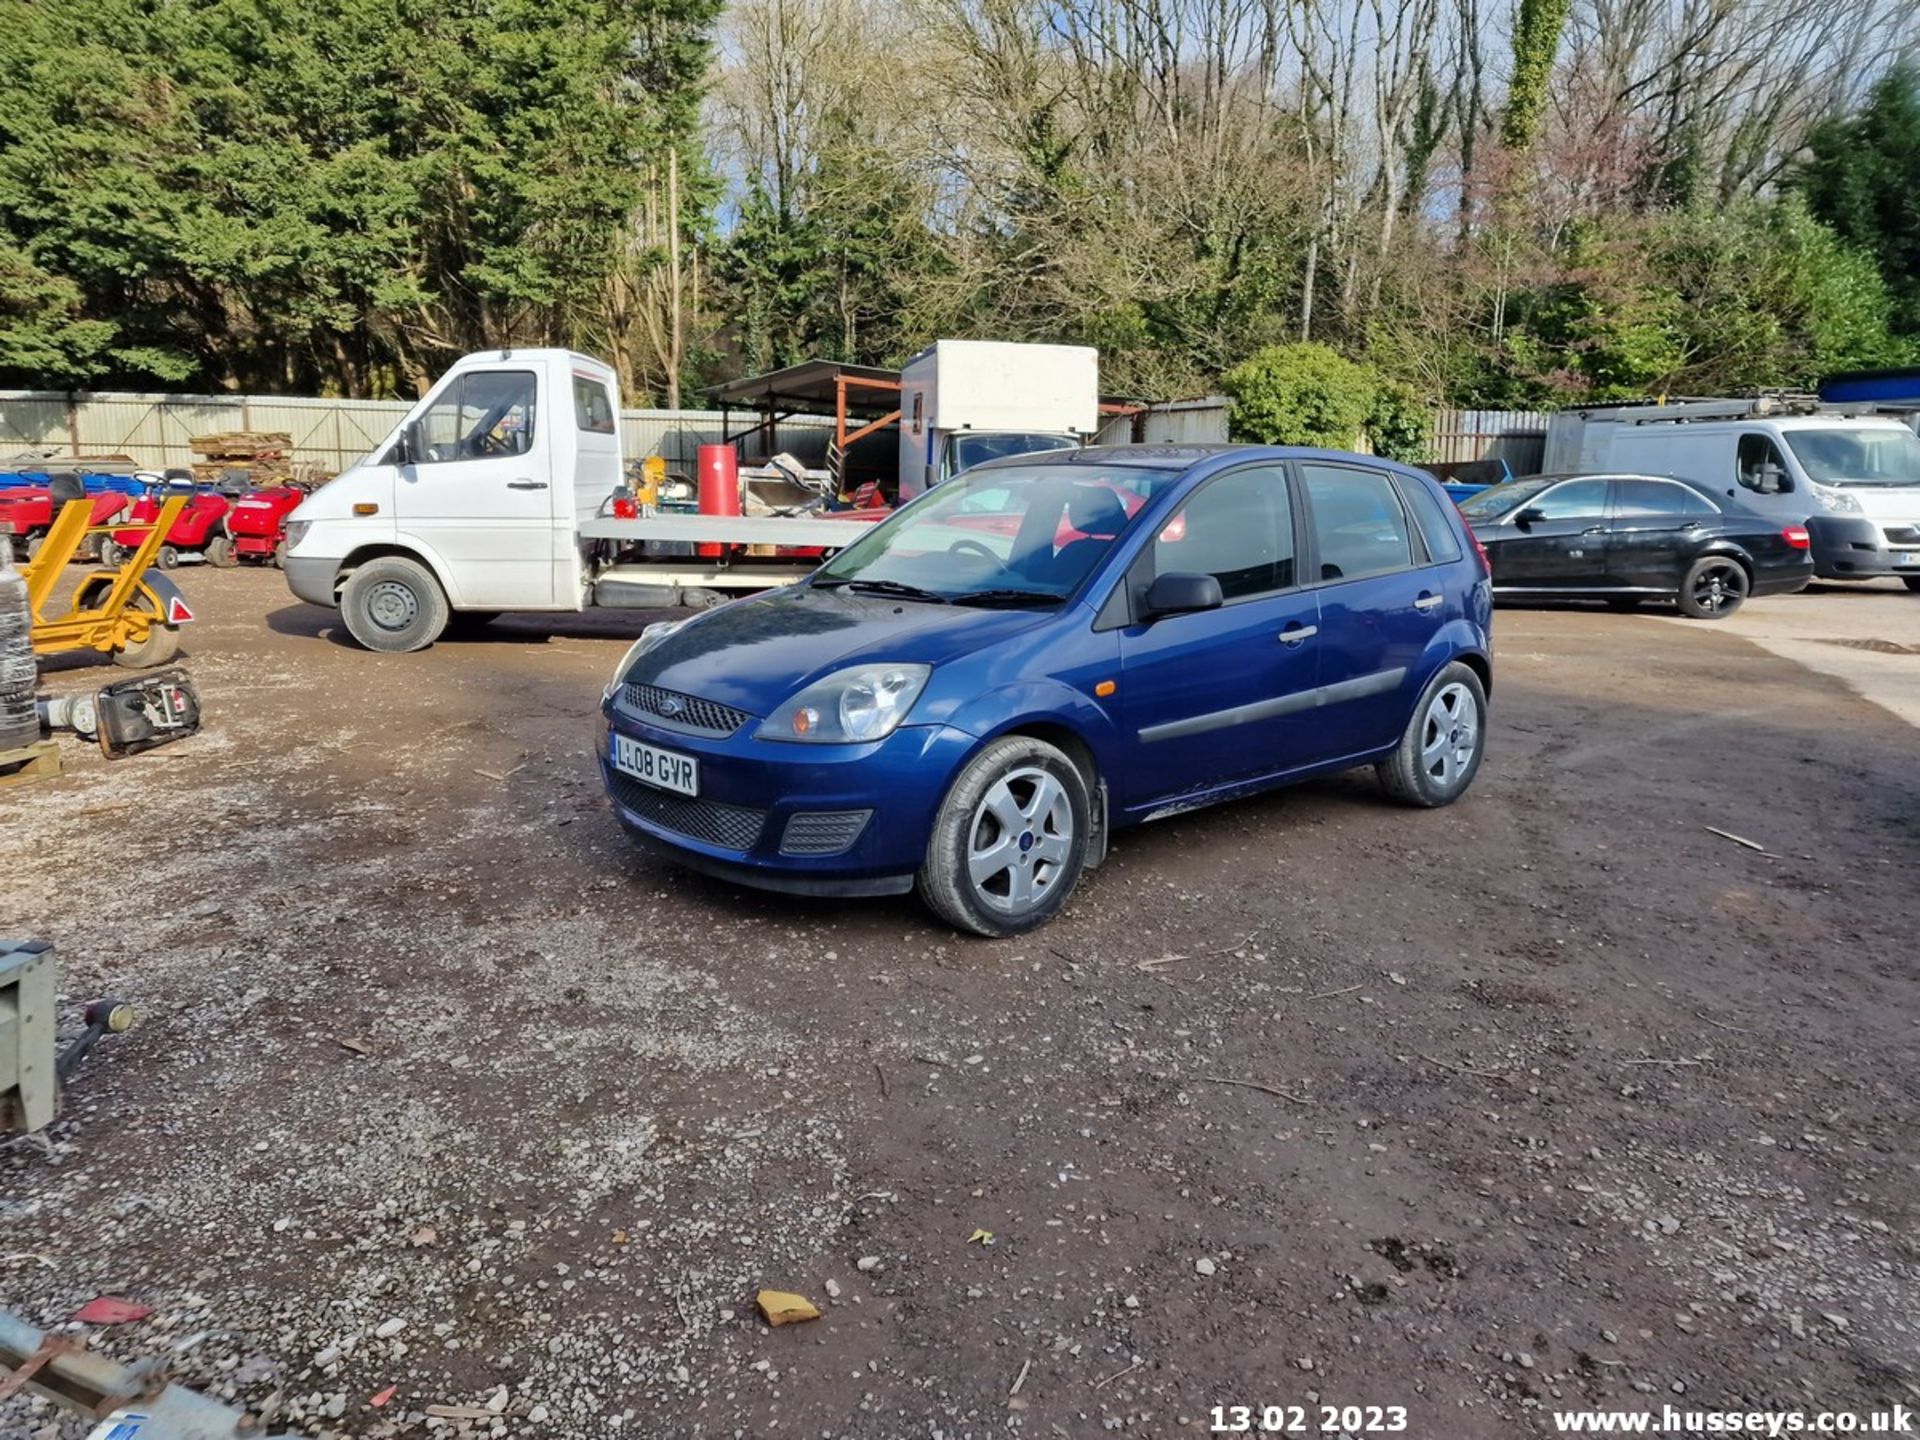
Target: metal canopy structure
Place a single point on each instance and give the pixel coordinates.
(861, 393)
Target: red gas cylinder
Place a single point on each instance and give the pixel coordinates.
(719, 486)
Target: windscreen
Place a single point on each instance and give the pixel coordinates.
(1500, 500)
(1011, 534)
(1858, 457)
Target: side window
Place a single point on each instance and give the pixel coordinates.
(592, 406)
(1436, 526)
(1654, 497)
(481, 415)
(1358, 522)
(1238, 529)
(1575, 500)
(1760, 466)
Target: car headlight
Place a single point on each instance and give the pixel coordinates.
(296, 532)
(1837, 501)
(649, 637)
(865, 702)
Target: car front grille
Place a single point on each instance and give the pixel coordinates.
(690, 713)
(823, 832)
(728, 827)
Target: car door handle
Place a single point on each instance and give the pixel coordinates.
(526, 484)
(1426, 602)
(1595, 530)
(1298, 634)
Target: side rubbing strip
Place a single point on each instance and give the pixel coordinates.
(1378, 683)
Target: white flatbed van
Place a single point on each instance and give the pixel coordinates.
(494, 495)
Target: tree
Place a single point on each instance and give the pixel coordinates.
(1862, 177)
(1299, 394)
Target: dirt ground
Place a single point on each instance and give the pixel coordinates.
(1551, 1099)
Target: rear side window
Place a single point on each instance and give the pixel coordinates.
(1436, 527)
(1358, 522)
(1238, 529)
(1651, 497)
(592, 406)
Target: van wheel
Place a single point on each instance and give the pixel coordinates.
(394, 605)
(1714, 588)
(1440, 752)
(1010, 840)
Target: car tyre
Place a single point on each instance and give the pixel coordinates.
(394, 605)
(1010, 840)
(1714, 587)
(1445, 741)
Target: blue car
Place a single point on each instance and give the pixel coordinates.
(969, 699)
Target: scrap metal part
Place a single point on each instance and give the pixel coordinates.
(132, 1402)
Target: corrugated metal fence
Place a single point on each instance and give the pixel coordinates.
(153, 429)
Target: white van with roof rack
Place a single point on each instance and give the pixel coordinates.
(1849, 473)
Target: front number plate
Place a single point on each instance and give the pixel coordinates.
(649, 764)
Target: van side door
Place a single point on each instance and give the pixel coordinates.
(478, 492)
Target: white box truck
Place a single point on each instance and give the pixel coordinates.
(1852, 477)
(963, 402)
(494, 495)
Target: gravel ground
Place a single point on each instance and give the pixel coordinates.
(1550, 1099)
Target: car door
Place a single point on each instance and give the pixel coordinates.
(478, 490)
(1657, 527)
(1382, 601)
(1556, 541)
(1217, 697)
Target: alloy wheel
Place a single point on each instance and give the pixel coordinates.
(1450, 735)
(1019, 841)
(1720, 587)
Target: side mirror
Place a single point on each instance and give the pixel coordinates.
(1180, 593)
(1527, 516)
(408, 449)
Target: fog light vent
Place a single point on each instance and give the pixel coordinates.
(823, 832)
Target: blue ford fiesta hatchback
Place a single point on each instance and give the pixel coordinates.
(971, 697)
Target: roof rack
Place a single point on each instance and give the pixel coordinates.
(1752, 407)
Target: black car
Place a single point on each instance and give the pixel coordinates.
(1629, 538)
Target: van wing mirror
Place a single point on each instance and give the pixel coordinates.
(407, 449)
(1181, 593)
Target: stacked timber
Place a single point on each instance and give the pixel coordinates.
(252, 458)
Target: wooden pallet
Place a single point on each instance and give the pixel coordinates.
(39, 761)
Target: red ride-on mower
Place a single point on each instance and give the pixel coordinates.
(199, 533)
(26, 512)
(257, 524)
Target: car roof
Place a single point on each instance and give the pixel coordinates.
(1699, 485)
(1164, 457)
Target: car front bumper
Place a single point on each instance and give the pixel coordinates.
(1852, 547)
(312, 580)
(801, 818)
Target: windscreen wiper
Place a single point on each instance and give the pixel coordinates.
(898, 589)
(1008, 597)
